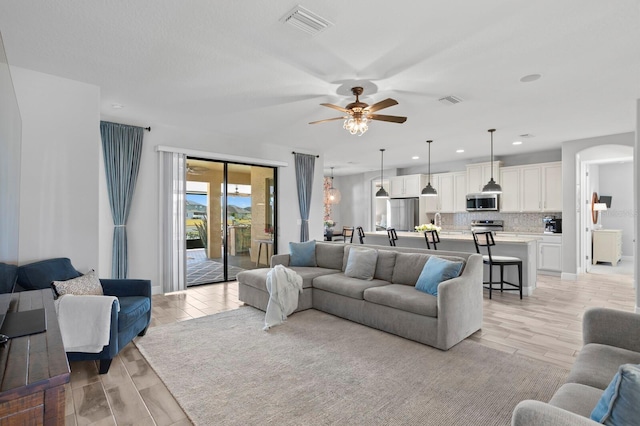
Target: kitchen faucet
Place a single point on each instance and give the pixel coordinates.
(437, 220)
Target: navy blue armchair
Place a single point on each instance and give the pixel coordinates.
(134, 297)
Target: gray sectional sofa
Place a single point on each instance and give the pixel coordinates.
(611, 339)
(389, 301)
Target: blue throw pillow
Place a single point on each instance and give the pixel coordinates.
(434, 272)
(620, 402)
(302, 254)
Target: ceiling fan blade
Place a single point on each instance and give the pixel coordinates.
(339, 108)
(391, 118)
(328, 119)
(382, 104)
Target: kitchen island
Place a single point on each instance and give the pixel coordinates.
(522, 246)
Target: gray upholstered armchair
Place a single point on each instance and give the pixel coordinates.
(134, 297)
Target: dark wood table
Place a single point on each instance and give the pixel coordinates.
(34, 369)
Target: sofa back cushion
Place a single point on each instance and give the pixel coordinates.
(329, 255)
(40, 275)
(408, 267)
(384, 267)
(8, 277)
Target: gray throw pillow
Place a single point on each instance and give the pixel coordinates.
(361, 263)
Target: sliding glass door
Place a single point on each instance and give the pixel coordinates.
(230, 219)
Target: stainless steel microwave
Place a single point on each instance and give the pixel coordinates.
(483, 202)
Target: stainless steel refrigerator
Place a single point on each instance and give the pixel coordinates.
(403, 213)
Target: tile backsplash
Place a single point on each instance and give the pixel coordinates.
(513, 222)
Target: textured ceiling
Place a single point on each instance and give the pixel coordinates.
(234, 70)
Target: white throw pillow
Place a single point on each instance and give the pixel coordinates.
(87, 284)
(361, 263)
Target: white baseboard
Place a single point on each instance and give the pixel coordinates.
(568, 276)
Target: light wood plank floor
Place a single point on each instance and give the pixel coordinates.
(546, 326)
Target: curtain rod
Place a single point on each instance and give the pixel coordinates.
(148, 129)
(294, 153)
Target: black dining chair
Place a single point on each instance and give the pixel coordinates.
(347, 234)
(435, 239)
(360, 232)
(393, 236)
(485, 239)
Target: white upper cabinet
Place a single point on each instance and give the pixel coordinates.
(452, 191)
(552, 187)
(478, 175)
(405, 186)
(531, 188)
(510, 182)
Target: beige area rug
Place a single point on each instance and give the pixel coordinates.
(317, 369)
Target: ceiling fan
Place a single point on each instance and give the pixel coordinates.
(359, 113)
(196, 170)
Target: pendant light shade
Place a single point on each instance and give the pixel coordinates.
(382, 193)
(334, 196)
(429, 191)
(492, 187)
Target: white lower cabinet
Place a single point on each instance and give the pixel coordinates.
(550, 253)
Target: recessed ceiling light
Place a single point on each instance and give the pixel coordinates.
(415, 157)
(459, 151)
(527, 135)
(517, 143)
(117, 106)
(531, 77)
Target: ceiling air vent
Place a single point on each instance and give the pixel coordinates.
(305, 20)
(450, 100)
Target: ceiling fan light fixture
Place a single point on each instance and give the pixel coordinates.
(492, 187)
(356, 125)
(429, 191)
(382, 193)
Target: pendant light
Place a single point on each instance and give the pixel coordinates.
(333, 194)
(429, 191)
(381, 192)
(492, 187)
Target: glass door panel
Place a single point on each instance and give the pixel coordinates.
(231, 211)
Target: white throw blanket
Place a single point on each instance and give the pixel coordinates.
(85, 321)
(283, 285)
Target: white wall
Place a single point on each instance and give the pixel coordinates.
(10, 140)
(616, 180)
(59, 173)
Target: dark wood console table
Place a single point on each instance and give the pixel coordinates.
(34, 369)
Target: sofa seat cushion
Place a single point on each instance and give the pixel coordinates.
(596, 364)
(405, 298)
(577, 398)
(131, 309)
(257, 278)
(346, 286)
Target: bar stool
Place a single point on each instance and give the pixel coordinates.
(485, 239)
(360, 232)
(435, 238)
(393, 236)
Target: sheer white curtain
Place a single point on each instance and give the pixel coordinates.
(172, 203)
